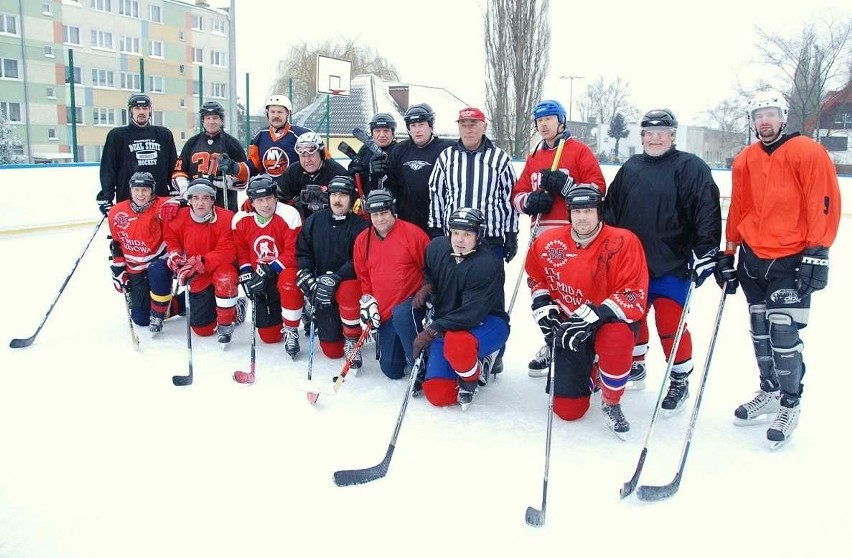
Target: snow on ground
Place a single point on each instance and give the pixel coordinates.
(103, 457)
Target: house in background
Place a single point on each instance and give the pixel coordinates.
(834, 129)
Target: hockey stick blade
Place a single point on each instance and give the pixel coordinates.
(315, 387)
(21, 343)
(352, 477)
(656, 493)
(628, 487)
(182, 380)
(534, 517)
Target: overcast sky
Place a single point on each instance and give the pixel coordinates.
(669, 55)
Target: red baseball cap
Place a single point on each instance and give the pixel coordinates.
(471, 113)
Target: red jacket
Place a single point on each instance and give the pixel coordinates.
(212, 240)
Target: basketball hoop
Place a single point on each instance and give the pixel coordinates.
(333, 76)
(335, 92)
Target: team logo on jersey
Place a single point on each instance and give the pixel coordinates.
(556, 253)
(416, 165)
(265, 248)
(122, 220)
(785, 296)
(275, 161)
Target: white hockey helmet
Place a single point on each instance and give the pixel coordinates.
(768, 99)
(309, 143)
(281, 101)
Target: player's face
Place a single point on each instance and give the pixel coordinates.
(265, 206)
(383, 221)
(140, 115)
(201, 204)
(339, 203)
(656, 141)
(420, 133)
(382, 136)
(141, 194)
(277, 116)
(462, 241)
(768, 122)
(212, 123)
(311, 162)
(584, 221)
(548, 127)
(471, 132)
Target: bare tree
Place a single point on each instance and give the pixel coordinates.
(300, 66)
(517, 46)
(602, 101)
(810, 64)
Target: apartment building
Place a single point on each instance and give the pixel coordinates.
(118, 47)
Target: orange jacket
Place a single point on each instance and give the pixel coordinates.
(786, 201)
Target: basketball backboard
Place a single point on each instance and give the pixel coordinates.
(333, 75)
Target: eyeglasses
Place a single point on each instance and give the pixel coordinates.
(306, 149)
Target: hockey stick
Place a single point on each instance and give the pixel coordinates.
(314, 388)
(553, 166)
(134, 337)
(186, 380)
(535, 517)
(654, 493)
(629, 486)
(250, 375)
(20, 343)
(362, 476)
(312, 396)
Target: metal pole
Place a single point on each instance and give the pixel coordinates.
(232, 69)
(73, 107)
(200, 94)
(248, 112)
(571, 94)
(28, 120)
(328, 119)
(141, 75)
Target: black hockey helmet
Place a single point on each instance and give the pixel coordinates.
(584, 196)
(380, 200)
(659, 118)
(420, 112)
(342, 184)
(139, 100)
(211, 108)
(468, 219)
(261, 186)
(142, 179)
(201, 186)
(382, 120)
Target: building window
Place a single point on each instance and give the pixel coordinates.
(155, 84)
(102, 5)
(181, 36)
(197, 56)
(155, 13)
(181, 69)
(843, 120)
(183, 103)
(128, 8)
(11, 111)
(8, 24)
(50, 93)
(79, 113)
(130, 81)
(47, 8)
(156, 48)
(183, 135)
(48, 52)
(103, 78)
(71, 34)
(195, 89)
(158, 118)
(197, 23)
(102, 39)
(129, 45)
(103, 117)
(218, 90)
(9, 68)
(123, 117)
(217, 58)
(78, 75)
(219, 26)
(51, 134)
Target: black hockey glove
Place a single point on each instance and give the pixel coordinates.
(538, 202)
(571, 334)
(262, 278)
(812, 274)
(355, 167)
(326, 287)
(245, 278)
(379, 167)
(104, 204)
(556, 182)
(725, 273)
(228, 165)
(702, 266)
(510, 246)
(546, 314)
(306, 281)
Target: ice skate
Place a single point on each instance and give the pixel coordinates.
(155, 326)
(784, 425)
(636, 381)
(486, 365)
(540, 363)
(677, 395)
(615, 420)
(348, 349)
(759, 410)
(291, 341)
(225, 332)
(244, 377)
(466, 392)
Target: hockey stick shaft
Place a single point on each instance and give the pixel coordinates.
(20, 343)
(186, 380)
(361, 476)
(134, 337)
(653, 493)
(314, 389)
(535, 517)
(630, 486)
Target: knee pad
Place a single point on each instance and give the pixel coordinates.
(441, 392)
(759, 330)
(140, 316)
(225, 282)
(332, 349)
(786, 352)
(205, 330)
(570, 408)
(461, 349)
(327, 322)
(270, 334)
(668, 314)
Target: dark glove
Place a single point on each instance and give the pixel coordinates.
(247, 206)
(510, 246)
(120, 279)
(170, 208)
(545, 313)
(263, 276)
(702, 266)
(435, 232)
(572, 333)
(306, 281)
(725, 272)
(812, 274)
(422, 295)
(245, 278)
(193, 267)
(228, 165)
(538, 202)
(175, 261)
(424, 339)
(379, 166)
(556, 182)
(355, 167)
(326, 287)
(104, 204)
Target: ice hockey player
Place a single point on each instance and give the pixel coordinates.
(784, 216)
(213, 154)
(669, 200)
(265, 240)
(201, 252)
(138, 253)
(389, 264)
(538, 187)
(589, 286)
(139, 146)
(305, 183)
(273, 149)
(470, 324)
(326, 273)
(371, 168)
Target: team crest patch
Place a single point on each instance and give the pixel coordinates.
(556, 253)
(265, 248)
(785, 296)
(416, 165)
(121, 220)
(275, 161)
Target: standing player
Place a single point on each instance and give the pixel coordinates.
(371, 168)
(265, 240)
(538, 186)
(305, 184)
(784, 216)
(589, 289)
(139, 146)
(470, 324)
(669, 200)
(272, 150)
(213, 154)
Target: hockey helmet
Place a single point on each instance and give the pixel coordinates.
(380, 200)
(139, 100)
(143, 179)
(659, 118)
(261, 186)
(468, 219)
(420, 112)
(382, 120)
(342, 184)
(550, 107)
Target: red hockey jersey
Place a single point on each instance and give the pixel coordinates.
(273, 242)
(212, 240)
(139, 234)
